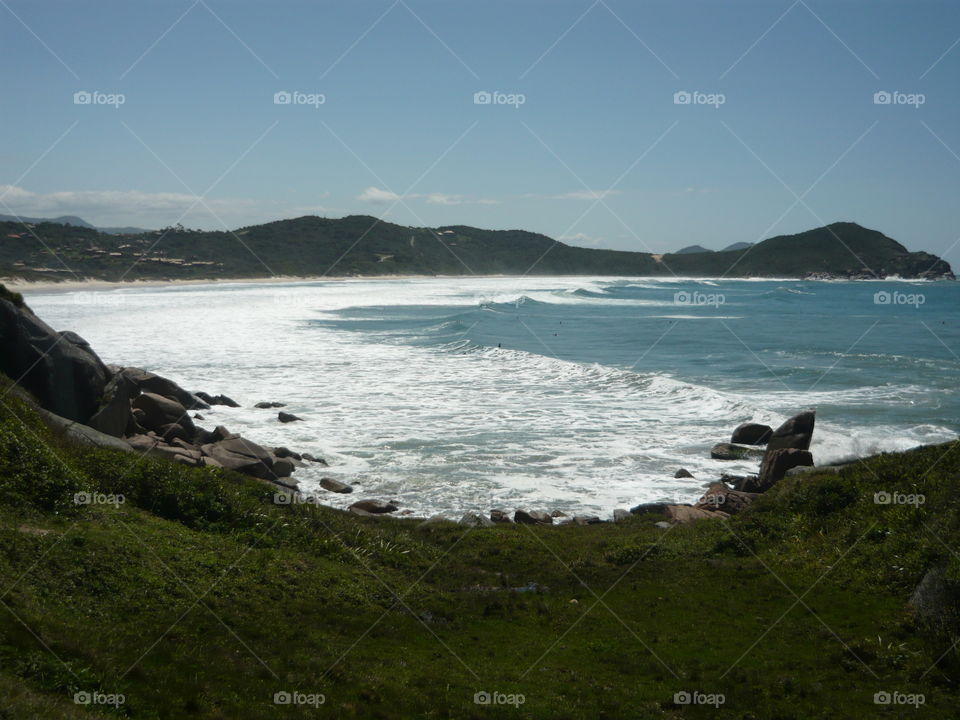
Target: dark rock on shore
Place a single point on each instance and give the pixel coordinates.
(269, 405)
(60, 370)
(217, 399)
(532, 517)
(146, 381)
(775, 465)
(373, 507)
(752, 434)
(728, 451)
(311, 458)
(719, 496)
(335, 486)
(683, 473)
(471, 519)
(500, 516)
(797, 432)
(286, 417)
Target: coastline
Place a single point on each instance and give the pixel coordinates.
(92, 284)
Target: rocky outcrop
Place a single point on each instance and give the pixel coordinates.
(217, 399)
(797, 432)
(335, 486)
(751, 434)
(683, 473)
(728, 451)
(286, 417)
(59, 369)
(775, 465)
(719, 496)
(372, 507)
(532, 517)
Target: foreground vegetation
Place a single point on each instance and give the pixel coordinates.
(200, 597)
(363, 245)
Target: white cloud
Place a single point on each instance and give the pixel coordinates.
(107, 208)
(575, 195)
(377, 196)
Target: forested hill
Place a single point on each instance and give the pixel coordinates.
(359, 245)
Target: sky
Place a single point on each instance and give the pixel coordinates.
(632, 125)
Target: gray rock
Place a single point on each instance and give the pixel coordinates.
(619, 515)
(775, 465)
(335, 486)
(147, 381)
(795, 433)
(269, 405)
(81, 434)
(159, 410)
(283, 452)
(373, 507)
(656, 508)
(242, 456)
(683, 473)
(721, 497)
(586, 520)
(217, 399)
(286, 417)
(472, 519)
(435, 520)
(282, 467)
(114, 416)
(311, 458)
(60, 370)
(728, 451)
(532, 517)
(500, 516)
(752, 434)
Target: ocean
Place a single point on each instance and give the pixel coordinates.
(579, 394)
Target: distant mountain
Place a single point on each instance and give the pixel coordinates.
(692, 249)
(363, 245)
(75, 221)
(737, 246)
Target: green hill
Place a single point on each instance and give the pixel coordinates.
(361, 245)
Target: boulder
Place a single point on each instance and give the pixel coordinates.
(311, 458)
(472, 519)
(683, 473)
(114, 416)
(282, 467)
(500, 516)
(656, 508)
(619, 515)
(687, 513)
(159, 410)
(728, 451)
(373, 507)
(286, 417)
(216, 399)
(796, 433)
(269, 405)
(242, 456)
(751, 434)
(335, 486)
(174, 431)
(60, 370)
(936, 600)
(282, 452)
(150, 382)
(586, 520)
(775, 465)
(81, 434)
(221, 433)
(719, 496)
(532, 517)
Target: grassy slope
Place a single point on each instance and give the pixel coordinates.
(200, 598)
(360, 245)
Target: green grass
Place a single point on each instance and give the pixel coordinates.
(198, 597)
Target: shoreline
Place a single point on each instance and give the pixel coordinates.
(92, 284)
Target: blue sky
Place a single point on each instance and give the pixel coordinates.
(598, 153)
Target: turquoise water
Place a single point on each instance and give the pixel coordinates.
(451, 394)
